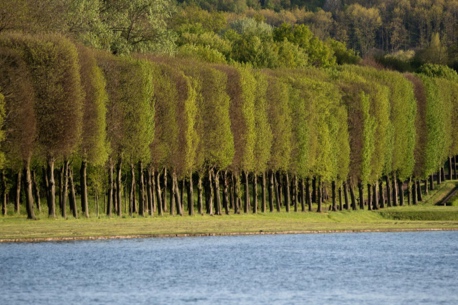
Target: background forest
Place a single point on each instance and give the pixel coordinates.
(143, 101)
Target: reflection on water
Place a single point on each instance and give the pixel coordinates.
(362, 268)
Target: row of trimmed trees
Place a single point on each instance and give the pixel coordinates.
(147, 132)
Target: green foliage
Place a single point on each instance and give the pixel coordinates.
(435, 70)
(342, 54)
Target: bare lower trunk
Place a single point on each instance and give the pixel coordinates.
(141, 190)
(159, 194)
(236, 180)
(83, 184)
(388, 190)
(308, 195)
(361, 195)
(455, 171)
(226, 193)
(271, 192)
(400, 193)
(319, 194)
(431, 182)
(333, 190)
(132, 199)
(17, 202)
(369, 197)
(164, 193)
(345, 193)
(395, 190)
(286, 188)
(255, 193)
(352, 197)
(217, 193)
(375, 198)
(450, 173)
(303, 197)
(52, 189)
(190, 196)
(294, 193)
(36, 190)
(382, 195)
(172, 195)
(278, 192)
(119, 187)
(409, 191)
(3, 193)
(419, 194)
(264, 193)
(176, 193)
(110, 189)
(442, 172)
(149, 190)
(199, 194)
(28, 190)
(209, 192)
(72, 194)
(340, 199)
(246, 206)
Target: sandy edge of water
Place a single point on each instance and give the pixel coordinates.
(83, 238)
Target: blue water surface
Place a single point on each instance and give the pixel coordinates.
(358, 268)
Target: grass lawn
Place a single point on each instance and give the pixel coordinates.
(424, 216)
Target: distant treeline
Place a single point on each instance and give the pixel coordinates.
(247, 139)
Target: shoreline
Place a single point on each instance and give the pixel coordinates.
(181, 235)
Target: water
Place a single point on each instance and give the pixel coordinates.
(363, 268)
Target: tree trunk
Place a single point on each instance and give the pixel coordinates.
(286, 188)
(455, 171)
(199, 194)
(209, 192)
(450, 174)
(160, 205)
(255, 193)
(17, 202)
(333, 190)
(141, 190)
(382, 194)
(442, 171)
(314, 192)
(36, 190)
(419, 194)
(271, 191)
(153, 191)
(176, 193)
(28, 190)
(400, 193)
(132, 199)
(361, 195)
(395, 190)
(319, 195)
(352, 197)
(110, 189)
(308, 194)
(52, 189)
(388, 190)
(294, 193)
(83, 184)
(414, 192)
(3, 193)
(439, 176)
(226, 192)
(119, 188)
(345, 191)
(431, 182)
(164, 193)
(172, 195)
(217, 194)
(72, 194)
(303, 197)
(277, 192)
(246, 206)
(375, 196)
(44, 175)
(369, 197)
(237, 182)
(340, 199)
(182, 191)
(190, 196)
(264, 193)
(149, 190)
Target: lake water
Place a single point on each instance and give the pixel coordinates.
(358, 268)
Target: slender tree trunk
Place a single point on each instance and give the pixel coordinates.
(255, 193)
(52, 189)
(237, 186)
(119, 188)
(414, 191)
(110, 189)
(395, 189)
(369, 197)
(153, 192)
(83, 184)
(132, 197)
(226, 192)
(149, 190)
(217, 193)
(17, 202)
(209, 192)
(361, 195)
(3, 193)
(44, 175)
(314, 192)
(388, 190)
(176, 193)
(263, 193)
(319, 197)
(450, 173)
(382, 194)
(375, 197)
(271, 191)
(308, 194)
(172, 195)
(345, 193)
(294, 193)
(182, 191)
(141, 190)
(160, 205)
(431, 182)
(277, 192)
(72, 194)
(200, 195)
(439, 176)
(340, 199)
(246, 206)
(400, 193)
(409, 191)
(190, 196)
(60, 177)
(164, 193)
(419, 194)
(353, 197)
(333, 190)
(455, 171)
(28, 190)
(36, 190)
(303, 195)
(287, 187)
(442, 172)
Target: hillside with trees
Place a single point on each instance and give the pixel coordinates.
(156, 107)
